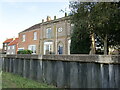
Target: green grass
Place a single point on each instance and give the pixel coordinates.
(10, 80)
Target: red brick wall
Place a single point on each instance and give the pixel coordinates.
(29, 39)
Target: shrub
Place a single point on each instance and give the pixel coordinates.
(24, 52)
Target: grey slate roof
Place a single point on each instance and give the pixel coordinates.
(37, 26)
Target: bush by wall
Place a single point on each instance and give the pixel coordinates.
(24, 52)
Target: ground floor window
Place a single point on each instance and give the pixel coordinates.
(32, 48)
(48, 47)
(20, 49)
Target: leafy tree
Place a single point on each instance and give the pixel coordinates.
(80, 40)
(106, 17)
(102, 19)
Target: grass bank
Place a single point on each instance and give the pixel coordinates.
(10, 80)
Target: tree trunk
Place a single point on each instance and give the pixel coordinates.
(105, 45)
(92, 51)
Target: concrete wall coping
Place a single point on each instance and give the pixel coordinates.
(108, 59)
(2, 55)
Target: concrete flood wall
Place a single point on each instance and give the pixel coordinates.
(67, 71)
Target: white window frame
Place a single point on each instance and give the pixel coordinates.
(35, 36)
(23, 37)
(60, 29)
(13, 47)
(69, 44)
(48, 33)
(20, 49)
(12, 53)
(8, 47)
(8, 53)
(5, 44)
(33, 46)
(5, 48)
(50, 46)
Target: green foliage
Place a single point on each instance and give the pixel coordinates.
(106, 17)
(80, 42)
(25, 52)
(102, 18)
(80, 39)
(80, 46)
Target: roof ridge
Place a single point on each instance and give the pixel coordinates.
(13, 42)
(35, 26)
(8, 40)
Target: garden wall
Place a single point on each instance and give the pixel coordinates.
(67, 71)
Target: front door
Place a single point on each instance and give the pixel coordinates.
(60, 50)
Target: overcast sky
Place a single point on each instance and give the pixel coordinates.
(17, 16)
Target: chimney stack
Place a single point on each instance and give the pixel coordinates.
(42, 20)
(65, 14)
(48, 18)
(54, 17)
(14, 38)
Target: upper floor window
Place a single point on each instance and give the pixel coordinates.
(72, 25)
(48, 33)
(5, 48)
(60, 29)
(5, 44)
(12, 47)
(71, 29)
(8, 53)
(8, 47)
(20, 49)
(23, 38)
(35, 35)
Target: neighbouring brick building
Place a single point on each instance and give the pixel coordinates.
(13, 46)
(5, 45)
(29, 39)
(49, 37)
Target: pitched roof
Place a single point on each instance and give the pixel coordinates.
(8, 40)
(14, 42)
(32, 27)
(37, 26)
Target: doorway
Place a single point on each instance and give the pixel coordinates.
(60, 48)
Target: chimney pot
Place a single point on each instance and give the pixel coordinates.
(48, 18)
(13, 38)
(65, 14)
(54, 17)
(42, 20)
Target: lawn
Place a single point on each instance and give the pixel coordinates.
(15, 81)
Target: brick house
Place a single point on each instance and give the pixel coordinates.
(49, 37)
(13, 46)
(5, 45)
(29, 39)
